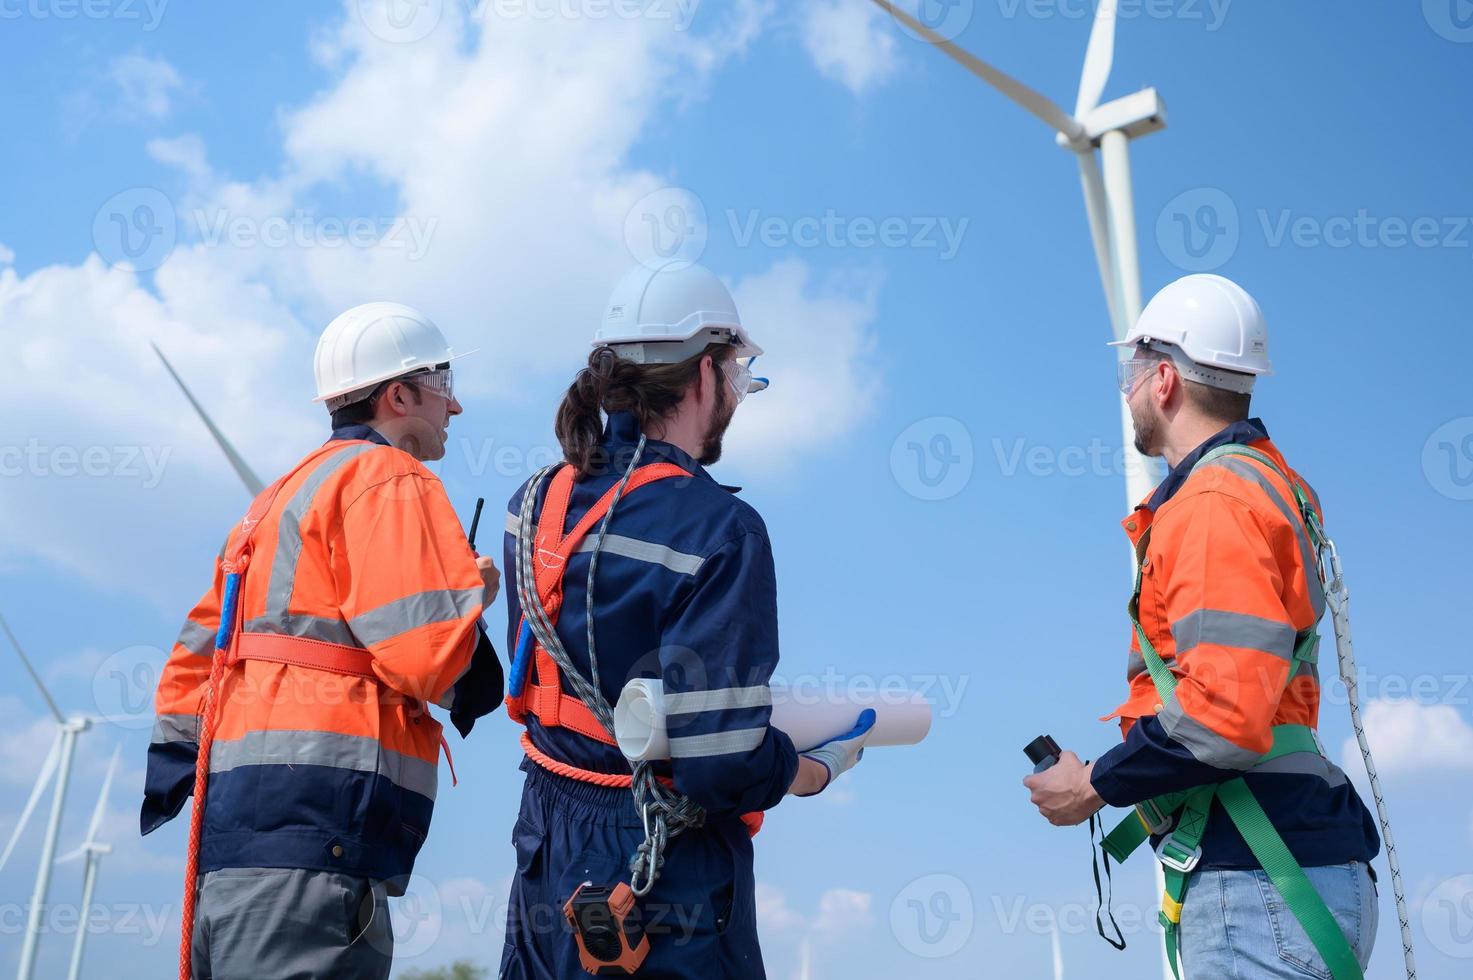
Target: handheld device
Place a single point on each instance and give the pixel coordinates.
(610, 939)
(1043, 752)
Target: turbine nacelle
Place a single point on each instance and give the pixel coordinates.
(1136, 115)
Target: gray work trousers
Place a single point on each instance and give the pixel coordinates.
(290, 924)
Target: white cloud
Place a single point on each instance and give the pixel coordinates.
(1408, 737)
(145, 87)
(509, 148)
(851, 43)
(842, 909)
(839, 913)
(7, 256)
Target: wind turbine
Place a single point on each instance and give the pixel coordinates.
(247, 476)
(93, 851)
(58, 761)
(1109, 200)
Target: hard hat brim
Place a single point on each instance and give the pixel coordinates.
(390, 376)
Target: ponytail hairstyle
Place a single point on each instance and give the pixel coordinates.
(612, 384)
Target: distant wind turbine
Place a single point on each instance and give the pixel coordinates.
(58, 762)
(93, 851)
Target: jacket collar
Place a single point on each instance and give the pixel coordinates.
(621, 435)
(367, 432)
(1245, 433)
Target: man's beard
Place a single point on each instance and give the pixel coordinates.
(720, 418)
(1146, 431)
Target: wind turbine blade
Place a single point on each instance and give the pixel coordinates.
(1098, 58)
(55, 711)
(107, 782)
(252, 482)
(42, 779)
(1030, 99)
(1097, 208)
(1058, 953)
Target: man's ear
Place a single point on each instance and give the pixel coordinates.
(708, 377)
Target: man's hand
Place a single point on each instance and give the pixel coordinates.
(490, 578)
(1063, 793)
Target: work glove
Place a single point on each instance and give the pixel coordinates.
(839, 754)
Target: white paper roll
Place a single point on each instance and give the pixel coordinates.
(808, 719)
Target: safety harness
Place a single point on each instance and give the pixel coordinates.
(1182, 816)
(232, 645)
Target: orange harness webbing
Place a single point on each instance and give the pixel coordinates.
(544, 697)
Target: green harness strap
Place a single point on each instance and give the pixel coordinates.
(1180, 851)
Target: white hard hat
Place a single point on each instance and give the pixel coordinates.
(664, 314)
(1215, 323)
(372, 343)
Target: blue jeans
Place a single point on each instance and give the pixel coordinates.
(1235, 926)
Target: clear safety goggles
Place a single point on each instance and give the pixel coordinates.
(1128, 373)
(440, 381)
(739, 374)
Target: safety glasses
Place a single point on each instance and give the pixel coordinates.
(1128, 373)
(440, 381)
(739, 374)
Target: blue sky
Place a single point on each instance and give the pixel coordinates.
(911, 249)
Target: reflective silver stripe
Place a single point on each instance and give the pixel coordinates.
(1248, 471)
(289, 536)
(313, 748)
(721, 699)
(1304, 764)
(627, 547)
(385, 622)
(655, 554)
(1231, 629)
(175, 728)
(1135, 662)
(1205, 745)
(197, 639)
(717, 743)
(310, 627)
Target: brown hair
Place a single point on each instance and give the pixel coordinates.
(1217, 404)
(612, 384)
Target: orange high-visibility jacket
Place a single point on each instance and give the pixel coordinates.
(310, 768)
(1227, 586)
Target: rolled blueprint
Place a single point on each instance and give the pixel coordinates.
(809, 719)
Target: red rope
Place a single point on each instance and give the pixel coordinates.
(197, 814)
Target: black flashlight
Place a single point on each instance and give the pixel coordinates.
(1043, 752)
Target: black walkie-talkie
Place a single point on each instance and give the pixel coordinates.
(1043, 752)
